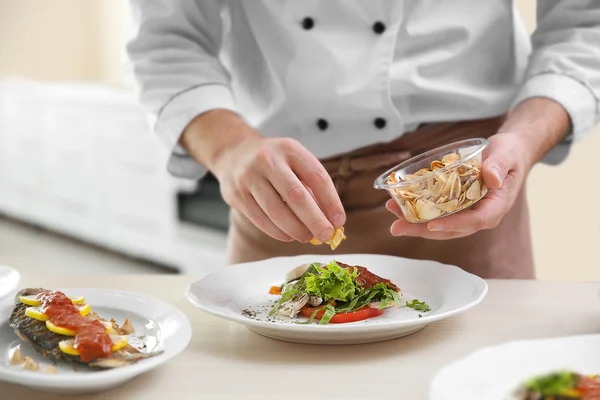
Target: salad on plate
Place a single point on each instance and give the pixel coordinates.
(336, 293)
(560, 385)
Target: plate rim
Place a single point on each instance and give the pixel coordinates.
(479, 282)
(106, 376)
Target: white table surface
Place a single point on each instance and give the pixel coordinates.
(224, 360)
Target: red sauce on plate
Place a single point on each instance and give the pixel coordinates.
(366, 278)
(91, 339)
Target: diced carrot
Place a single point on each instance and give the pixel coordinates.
(275, 290)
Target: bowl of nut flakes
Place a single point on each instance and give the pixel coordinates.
(439, 182)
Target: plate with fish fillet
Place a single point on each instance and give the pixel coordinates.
(340, 299)
(75, 341)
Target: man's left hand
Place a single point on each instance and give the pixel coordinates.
(532, 129)
(504, 170)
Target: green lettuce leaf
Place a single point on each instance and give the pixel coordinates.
(327, 315)
(553, 383)
(418, 305)
(332, 282)
(381, 292)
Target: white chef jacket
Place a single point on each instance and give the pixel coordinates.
(339, 75)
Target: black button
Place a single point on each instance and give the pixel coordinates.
(380, 123)
(379, 27)
(308, 23)
(322, 124)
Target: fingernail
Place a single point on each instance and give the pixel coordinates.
(497, 173)
(338, 220)
(395, 232)
(436, 228)
(326, 235)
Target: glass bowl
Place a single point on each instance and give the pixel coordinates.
(437, 183)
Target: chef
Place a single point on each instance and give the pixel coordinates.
(297, 106)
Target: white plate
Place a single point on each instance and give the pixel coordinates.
(447, 289)
(9, 281)
(165, 328)
(494, 372)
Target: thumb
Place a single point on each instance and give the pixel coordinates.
(497, 164)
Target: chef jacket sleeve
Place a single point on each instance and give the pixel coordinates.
(173, 55)
(565, 66)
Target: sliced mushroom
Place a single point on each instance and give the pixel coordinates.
(296, 273)
(292, 307)
(315, 301)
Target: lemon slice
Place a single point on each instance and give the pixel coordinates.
(84, 309)
(57, 329)
(68, 346)
(30, 300)
(68, 332)
(36, 313)
(118, 342)
(33, 301)
(77, 300)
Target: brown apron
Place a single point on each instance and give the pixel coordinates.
(502, 252)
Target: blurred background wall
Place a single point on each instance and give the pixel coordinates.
(82, 41)
(62, 40)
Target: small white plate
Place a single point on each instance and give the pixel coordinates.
(447, 289)
(9, 281)
(493, 373)
(163, 328)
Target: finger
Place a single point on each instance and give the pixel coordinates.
(258, 217)
(393, 207)
(485, 214)
(498, 163)
(401, 227)
(310, 171)
(302, 203)
(278, 212)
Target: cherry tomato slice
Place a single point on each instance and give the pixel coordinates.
(341, 318)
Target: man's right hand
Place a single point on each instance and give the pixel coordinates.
(277, 183)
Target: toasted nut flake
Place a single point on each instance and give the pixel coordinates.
(448, 207)
(455, 188)
(437, 188)
(17, 357)
(437, 165)
(31, 365)
(443, 193)
(411, 213)
(474, 191)
(334, 242)
(127, 328)
(51, 369)
(442, 178)
(450, 158)
(463, 170)
(427, 210)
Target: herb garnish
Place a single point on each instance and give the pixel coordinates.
(418, 305)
